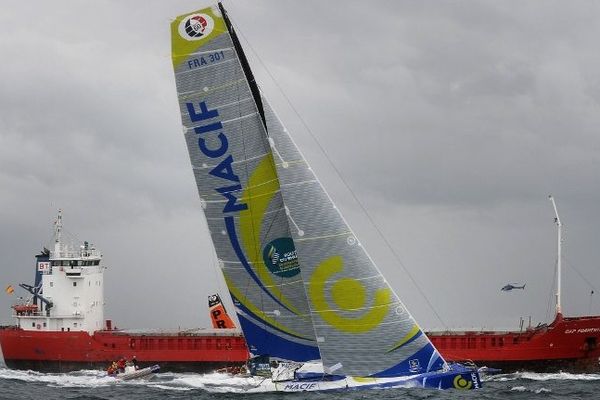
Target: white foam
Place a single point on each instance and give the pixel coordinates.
(525, 389)
(559, 376)
(214, 382)
(75, 379)
(217, 382)
(535, 376)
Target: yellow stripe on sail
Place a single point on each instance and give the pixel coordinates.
(411, 334)
(237, 293)
(262, 187)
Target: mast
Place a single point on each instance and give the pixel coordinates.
(245, 65)
(57, 232)
(559, 256)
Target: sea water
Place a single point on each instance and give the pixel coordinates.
(90, 385)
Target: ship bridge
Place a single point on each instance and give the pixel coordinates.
(68, 294)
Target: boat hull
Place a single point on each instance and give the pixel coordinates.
(70, 351)
(462, 379)
(567, 344)
(143, 373)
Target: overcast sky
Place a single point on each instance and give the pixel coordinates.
(450, 121)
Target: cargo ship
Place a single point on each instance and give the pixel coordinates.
(568, 344)
(61, 326)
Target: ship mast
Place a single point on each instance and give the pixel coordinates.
(559, 256)
(57, 232)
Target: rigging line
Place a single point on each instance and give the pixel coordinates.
(362, 207)
(582, 277)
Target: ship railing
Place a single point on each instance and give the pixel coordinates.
(43, 314)
(80, 253)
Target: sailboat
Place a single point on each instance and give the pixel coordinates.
(314, 309)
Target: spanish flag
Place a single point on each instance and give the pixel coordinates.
(9, 289)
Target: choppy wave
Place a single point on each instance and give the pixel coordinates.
(225, 383)
(217, 382)
(535, 376)
(214, 382)
(86, 378)
(532, 390)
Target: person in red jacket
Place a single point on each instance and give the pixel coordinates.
(121, 365)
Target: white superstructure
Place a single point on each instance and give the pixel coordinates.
(71, 295)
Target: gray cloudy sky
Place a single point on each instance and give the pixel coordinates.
(451, 121)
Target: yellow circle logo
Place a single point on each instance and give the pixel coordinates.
(462, 383)
(348, 295)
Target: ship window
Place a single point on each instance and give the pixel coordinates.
(44, 324)
(74, 283)
(68, 329)
(33, 324)
(51, 284)
(75, 324)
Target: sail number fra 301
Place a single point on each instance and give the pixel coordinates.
(206, 59)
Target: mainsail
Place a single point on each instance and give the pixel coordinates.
(283, 245)
(238, 186)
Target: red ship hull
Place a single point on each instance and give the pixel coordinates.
(568, 344)
(70, 351)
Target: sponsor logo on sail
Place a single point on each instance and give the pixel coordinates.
(281, 258)
(196, 26)
(224, 169)
(414, 365)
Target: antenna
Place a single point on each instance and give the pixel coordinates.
(559, 255)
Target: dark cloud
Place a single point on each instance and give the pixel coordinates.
(451, 122)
